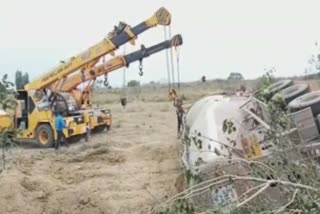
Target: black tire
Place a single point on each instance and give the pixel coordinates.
(292, 92)
(44, 136)
(311, 100)
(280, 85)
(99, 129)
(74, 139)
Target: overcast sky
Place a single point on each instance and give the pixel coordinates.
(220, 37)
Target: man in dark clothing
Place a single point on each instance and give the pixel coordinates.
(60, 125)
(177, 103)
(180, 113)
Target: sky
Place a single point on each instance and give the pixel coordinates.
(220, 37)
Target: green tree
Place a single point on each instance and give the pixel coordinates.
(21, 79)
(7, 103)
(25, 78)
(203, 79)
(18, 79)
(133, 83)
(235, 76)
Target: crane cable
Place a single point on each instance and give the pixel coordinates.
(123, 98)
(124, 80)
(170, 65)
(178, 64)
(167, 58)
(171, 59)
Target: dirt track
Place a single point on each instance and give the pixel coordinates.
(125, 171)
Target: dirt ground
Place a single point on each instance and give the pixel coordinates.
(128, 170)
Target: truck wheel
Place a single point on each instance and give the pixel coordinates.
(311, 100)
(44, 136)
(291, 93)
(277, 86)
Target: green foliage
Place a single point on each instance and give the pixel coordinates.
(235, 76)
(25, 78)
(7, 93)
(18, 79)
(264, 82)
(133, 83)
(8, 103)
(21, 79)
(186, 140)
(181, 206)
(203, 79)
(250, 210)
(192, 178)
(312, 71)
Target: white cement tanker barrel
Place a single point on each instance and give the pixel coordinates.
(206, 117)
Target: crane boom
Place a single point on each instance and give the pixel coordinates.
(116, 38)
(117, 62)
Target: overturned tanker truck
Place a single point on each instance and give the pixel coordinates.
(223, 134)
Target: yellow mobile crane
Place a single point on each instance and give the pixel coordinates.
(36, 103)
(100, 118)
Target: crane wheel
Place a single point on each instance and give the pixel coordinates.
(44, 136)
(99, 129)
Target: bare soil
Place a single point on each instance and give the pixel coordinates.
(127, 170)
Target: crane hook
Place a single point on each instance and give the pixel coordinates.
(140, 67)
(106, 82)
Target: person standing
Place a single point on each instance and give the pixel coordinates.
(60, 125)
(180, 112)
(177, 103)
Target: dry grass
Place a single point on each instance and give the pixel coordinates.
(159, 93)
(314, 84)
(126, 170)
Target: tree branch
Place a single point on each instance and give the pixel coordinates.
(251, 189)
(254, 195)
(209, 183)
(287, 204)
(314, 201)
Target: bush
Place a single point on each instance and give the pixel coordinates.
(133, 83)
(203, 79)
(235, 76)
(7, 103)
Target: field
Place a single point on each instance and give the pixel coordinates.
(127, 170)
(130, 169)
